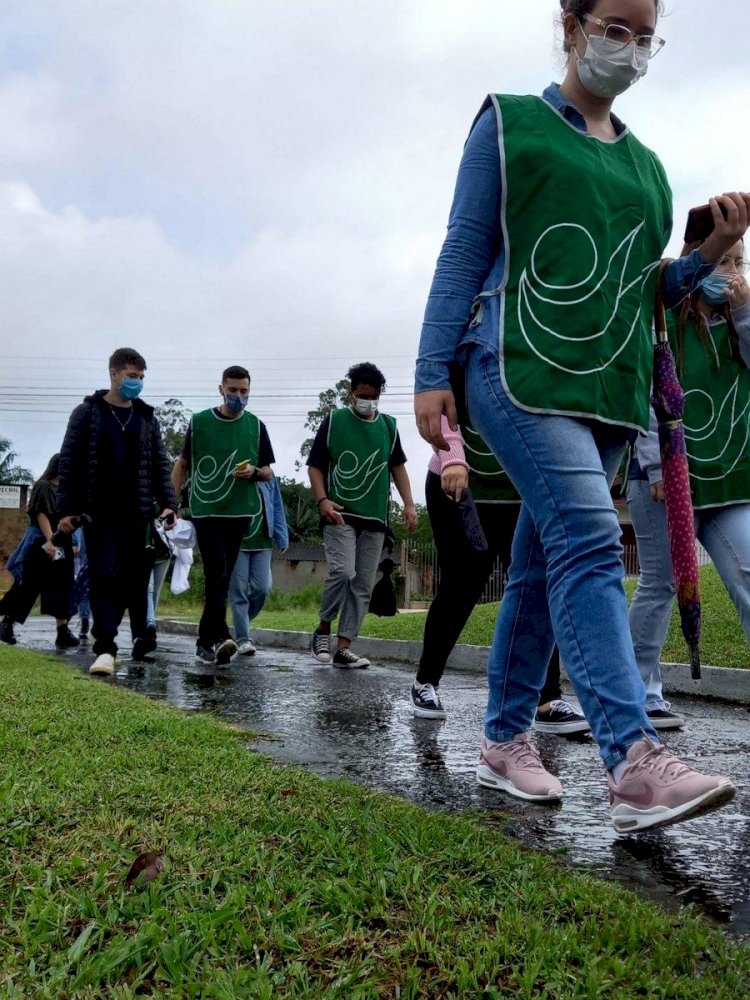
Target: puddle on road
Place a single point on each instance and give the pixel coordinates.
(359, 726)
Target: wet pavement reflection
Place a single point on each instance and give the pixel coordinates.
(359, 725)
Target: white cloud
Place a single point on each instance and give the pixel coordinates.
(270, 179)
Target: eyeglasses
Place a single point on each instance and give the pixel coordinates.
(617, 36)
(736, 263)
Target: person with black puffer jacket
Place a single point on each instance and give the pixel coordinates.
(113, 467)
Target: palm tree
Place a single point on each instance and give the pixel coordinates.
(9, 472)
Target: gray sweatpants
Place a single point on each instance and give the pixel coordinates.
(353, 561)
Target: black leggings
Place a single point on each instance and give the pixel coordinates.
(464, 573)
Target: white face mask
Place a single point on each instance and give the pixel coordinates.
(365, 407)
(606, 73)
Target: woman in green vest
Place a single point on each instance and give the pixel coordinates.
(710, 335)
(544, 291)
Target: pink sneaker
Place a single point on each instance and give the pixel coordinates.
(517, 769)
(656, 788)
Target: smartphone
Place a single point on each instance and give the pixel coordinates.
(700, 223)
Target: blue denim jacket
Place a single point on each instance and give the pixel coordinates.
(273, 505)
(473, 256)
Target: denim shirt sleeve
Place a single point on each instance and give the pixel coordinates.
(280, 526)
(741, 319)
(467, 256)
(682, 277)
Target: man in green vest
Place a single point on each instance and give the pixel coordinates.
(227, 452)
(356, 452)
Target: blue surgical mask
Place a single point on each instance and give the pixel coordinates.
(714, 288)
(235, 404)
(130, 388)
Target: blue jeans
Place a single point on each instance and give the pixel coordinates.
(155, 583)
(566, 572)
(248, 589)
(725, 534)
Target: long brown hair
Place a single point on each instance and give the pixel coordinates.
(689, 308)
(51, 472)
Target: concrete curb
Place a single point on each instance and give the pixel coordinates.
(723, 683)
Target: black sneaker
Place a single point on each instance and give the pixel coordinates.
(225, 650)
(321, 646)
(204, 655)
(83, 631)
(426, 702)
(144, 645)
(350, 661)
(65, 638)
(665, 718)
(561, 719)
(6, 632)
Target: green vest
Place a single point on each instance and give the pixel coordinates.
(584, 222)
(717, 415)
(359, 477)
(488, 480)
(218, 446)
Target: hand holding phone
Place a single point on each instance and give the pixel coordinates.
(700, 223)
(729, 215)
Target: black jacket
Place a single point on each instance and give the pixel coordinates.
(80, 491)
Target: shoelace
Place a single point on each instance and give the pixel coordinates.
(346, 654)
(527, 755)
(659, 760)
(428, 693)
(321, 642)
(563, 708)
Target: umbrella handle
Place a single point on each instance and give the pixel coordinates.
(660, 316)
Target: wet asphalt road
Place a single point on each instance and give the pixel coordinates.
(358, 725)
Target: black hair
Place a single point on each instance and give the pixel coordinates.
(366, 374)
(580, 7)
(125, 356)
(235, 371)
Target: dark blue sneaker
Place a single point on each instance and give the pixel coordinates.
(426, 702)
(560, 719)
(204, 655)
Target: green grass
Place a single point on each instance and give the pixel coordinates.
(723, 643)
(278, 884)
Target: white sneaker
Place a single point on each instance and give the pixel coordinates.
(246, 648)
(103, 664)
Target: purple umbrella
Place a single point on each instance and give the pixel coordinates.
(669, 403)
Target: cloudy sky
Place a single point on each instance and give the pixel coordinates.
(267, 182)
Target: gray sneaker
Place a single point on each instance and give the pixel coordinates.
(347, 660)
(321, 646)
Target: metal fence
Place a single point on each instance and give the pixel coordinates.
(420, 572)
